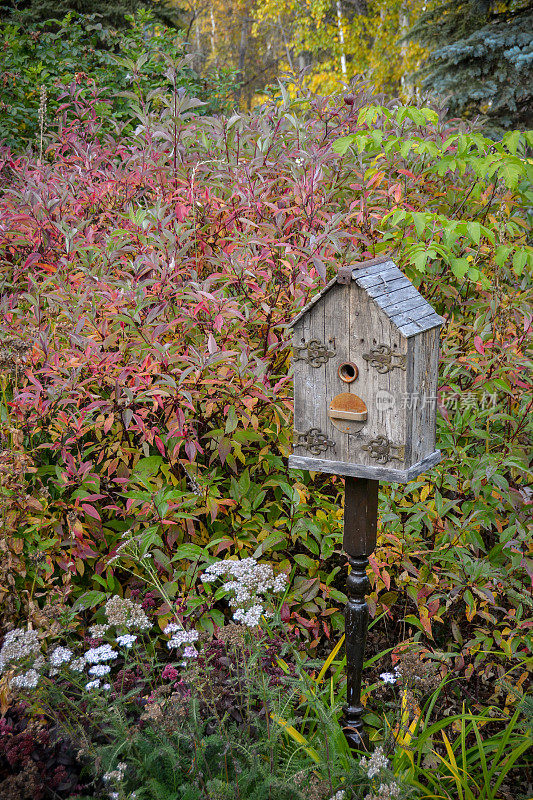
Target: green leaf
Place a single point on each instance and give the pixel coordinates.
(305, 562)
(460, 267)
(474, 231)
(512, 172)
(342, 145)
(519, 261)
(511, 141)
(419, 221)
(148, 465)
(419, 260)
(231, 420)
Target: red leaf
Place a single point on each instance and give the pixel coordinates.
(478, 344)
(159, 444)
(91, 511)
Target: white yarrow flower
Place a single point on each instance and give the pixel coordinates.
(100, 669)
(246, 580)
(181, 637)
(78, 665)
(92, 685)
(60, 656)
(388, 677)
(375, 763)
(103, 653)
(28, 680)
(127, 640)
(18, 644)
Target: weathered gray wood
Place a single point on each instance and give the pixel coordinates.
(369, 328)
(407, 293)
(412, 315)
(421, 325)
(406, 305)
(422, 376)
(360, 471)
(366, 281)
(373, 269)
(382, 324)
(310, 411)
(396, 283)
(337, 318)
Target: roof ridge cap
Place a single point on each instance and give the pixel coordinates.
(344, 274)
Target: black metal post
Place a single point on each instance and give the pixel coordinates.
(360, 529)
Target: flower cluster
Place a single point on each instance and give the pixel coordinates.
(247, 581)
(377, 761)
(386, 791)
(388, 677)
(116, 775)
(416, 673)
(250, 618)
(179, 636)
(127, 640)
(58, 657)
(97, 654)
(28, 680)
(122, 612)
(22, 645)
(19, 644)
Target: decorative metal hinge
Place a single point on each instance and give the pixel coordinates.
(313, 440)
(314, 352)
(383, 359)
(383, 450)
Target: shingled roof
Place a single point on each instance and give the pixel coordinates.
(391, 291)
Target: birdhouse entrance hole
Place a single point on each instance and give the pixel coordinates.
(348, 372)
(348, 412)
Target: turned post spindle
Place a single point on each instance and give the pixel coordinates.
(360, 528)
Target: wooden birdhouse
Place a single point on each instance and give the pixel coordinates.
(365, 355)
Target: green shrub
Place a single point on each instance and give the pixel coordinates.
(43, 64)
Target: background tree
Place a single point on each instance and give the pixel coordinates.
(224, 38)
(339, 39)
(481, 58)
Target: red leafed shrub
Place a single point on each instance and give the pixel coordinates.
(35, 762)
(152, 279)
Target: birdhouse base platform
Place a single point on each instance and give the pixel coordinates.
(376, 473)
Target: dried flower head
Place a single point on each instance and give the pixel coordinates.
(417, 674)
(116, 775)
(386, 791)
(122, 612)
(313, 787)
(19, 644)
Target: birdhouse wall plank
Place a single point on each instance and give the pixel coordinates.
(337, 322)
(422, 375)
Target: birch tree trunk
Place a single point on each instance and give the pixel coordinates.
(341, 37)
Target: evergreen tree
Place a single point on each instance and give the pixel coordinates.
(481, 58)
